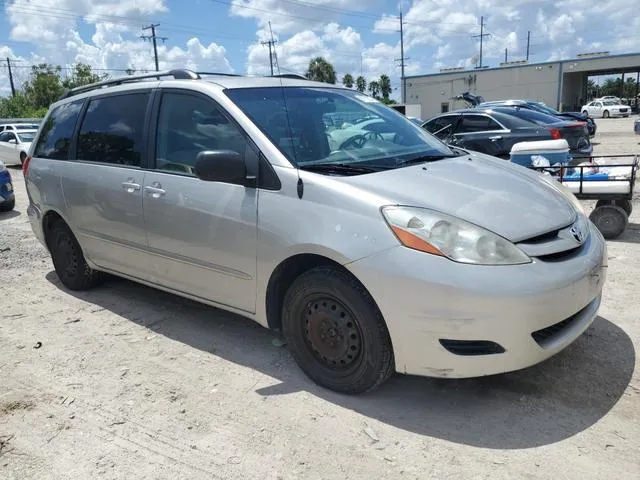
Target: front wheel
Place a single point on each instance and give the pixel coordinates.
(336, 333)
(584, 112)
(23, 157)
(605, 114)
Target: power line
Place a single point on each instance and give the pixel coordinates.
(153, 38)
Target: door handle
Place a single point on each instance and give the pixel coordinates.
(155, 192)
(495, 138)
(130, 186)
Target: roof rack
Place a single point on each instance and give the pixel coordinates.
(294, 76)
(179, 74)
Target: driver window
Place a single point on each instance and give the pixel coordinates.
(188, 125)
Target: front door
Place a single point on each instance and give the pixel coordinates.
(203, 235)
(103, 185)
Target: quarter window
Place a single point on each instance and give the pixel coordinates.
(188, 125)
(55, 138)
(113, 130)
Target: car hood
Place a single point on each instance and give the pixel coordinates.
(500, 196)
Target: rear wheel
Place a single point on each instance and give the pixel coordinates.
(336, 333)
(68, 260)
(611, 220)
(605, 114)
(23, 157)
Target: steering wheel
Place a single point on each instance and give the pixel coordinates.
(374, 136)
(356, 141)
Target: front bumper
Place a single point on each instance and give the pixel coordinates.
(426, 299)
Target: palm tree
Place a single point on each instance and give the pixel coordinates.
(361, 84)
(374, 88)
(385, 86)
(347, 80)
(321, 71)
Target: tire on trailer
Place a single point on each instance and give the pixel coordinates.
(68, 260)
(336, 333)
(611, 220)
(8, 206)
(623, 204)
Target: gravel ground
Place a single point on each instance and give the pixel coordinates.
(128, 382)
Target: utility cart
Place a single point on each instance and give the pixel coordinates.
(607, 179)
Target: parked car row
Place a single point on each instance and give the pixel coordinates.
(494, 130)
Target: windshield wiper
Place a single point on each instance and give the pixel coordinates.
(339, 168)
(424, 159)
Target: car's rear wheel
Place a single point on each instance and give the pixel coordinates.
(336, 333)
(605, 114)
(23, 157)
(611, 220)
(68, 260)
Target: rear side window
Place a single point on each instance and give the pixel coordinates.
(113, 130)
(477, 123)
(438, 124)
(55, 139)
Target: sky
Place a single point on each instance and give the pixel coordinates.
(360, 37)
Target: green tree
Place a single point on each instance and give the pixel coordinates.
(82, 75)
(321, 71)
(385, 86)
(44, 86)
(347, 80)
(19, 106)
(361, 84)
(374, 88)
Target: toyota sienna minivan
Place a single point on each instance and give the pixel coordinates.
(318, 212)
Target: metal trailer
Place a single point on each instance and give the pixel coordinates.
(613, 204)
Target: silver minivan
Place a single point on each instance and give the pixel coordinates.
(319, 212)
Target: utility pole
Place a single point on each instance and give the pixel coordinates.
(482, 35)
(505, 55)
(13, 88)
(153, 38)
(270, 43)
(528, 43)
(402, 61)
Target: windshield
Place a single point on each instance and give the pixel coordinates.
(26, 137)
(532, 116)
(311, 125)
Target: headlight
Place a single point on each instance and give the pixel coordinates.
(568, 194)
(440, 234)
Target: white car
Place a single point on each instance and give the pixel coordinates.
(14, 146)
(15, 127)
(606, 109)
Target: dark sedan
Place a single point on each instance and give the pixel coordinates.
(543, 108)
(495, 130)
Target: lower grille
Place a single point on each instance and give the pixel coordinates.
(547, 335)
(471, 347)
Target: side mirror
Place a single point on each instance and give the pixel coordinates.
(13, 141)
(221, 166)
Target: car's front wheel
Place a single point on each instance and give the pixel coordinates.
(23, 157)
(336, 332)
(68, 260)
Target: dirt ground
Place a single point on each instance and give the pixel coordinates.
(128, 382)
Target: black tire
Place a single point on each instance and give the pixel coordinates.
(611, 220)
(336, 333)
(623, 204)
(68, 259)
(605, 114)
(8, 206)
(23, 157)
